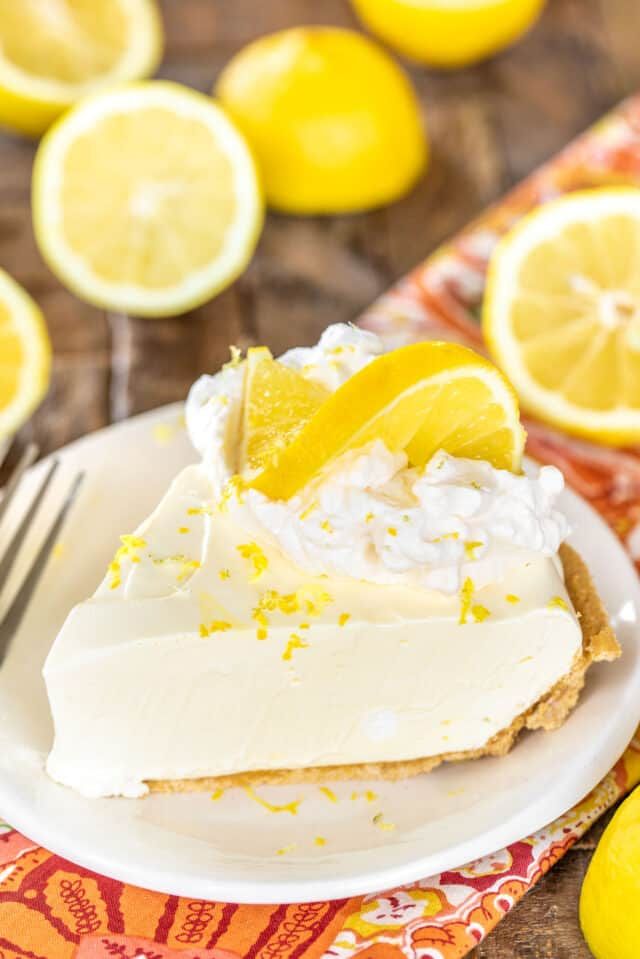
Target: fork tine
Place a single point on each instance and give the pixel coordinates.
(12, 550)
(27, 459)
(14, 614)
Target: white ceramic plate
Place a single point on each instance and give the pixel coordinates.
(228, 849)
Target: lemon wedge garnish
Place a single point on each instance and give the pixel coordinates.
(53, 53)
(562, 313)
(146, 199)
(419, 398)
(278, 403)
(25, 356)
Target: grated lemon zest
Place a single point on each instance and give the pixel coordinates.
(320, 841)
(291, 807)
(295, 642)
(512, 598)
(471, 547)
(225, 574)
(466, 598)
(480, 613)
(329, 793)
(344, 618)
(218, 794)
(557, 602)
(254, 554)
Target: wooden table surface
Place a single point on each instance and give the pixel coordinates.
(489, 126)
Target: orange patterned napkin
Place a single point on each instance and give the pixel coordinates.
(51, 909)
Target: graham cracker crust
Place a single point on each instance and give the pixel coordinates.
(598, 644)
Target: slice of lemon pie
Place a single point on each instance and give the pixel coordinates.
(356, 581)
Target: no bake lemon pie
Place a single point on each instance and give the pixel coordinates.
(357, 580)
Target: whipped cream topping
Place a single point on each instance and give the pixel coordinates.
(375, 518)
(371, 516)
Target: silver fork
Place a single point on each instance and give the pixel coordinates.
(8, 554)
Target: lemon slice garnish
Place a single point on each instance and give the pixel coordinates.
(419, 398)
(278, 403)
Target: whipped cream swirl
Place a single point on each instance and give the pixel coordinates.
(371, 516)
(375, 518)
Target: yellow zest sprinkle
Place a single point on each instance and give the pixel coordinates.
(466, 597)
(261, 633)
(344, 618)
(304, 626)
(480, 613)
(326, 526)
(320, 841)
(253, 553)
(313, 598)
(234, 487)
(526, 659)
(199, 511)
(58, 551)
(224, 574)
(392, 531)
(286, 849)
(218, 794)
(329, 793)
(444, 536)
(222, 399)
(130, 545)
(471, 547)
(337, 350)
(512, 598)
(295, 642)
(557, 602)
(219, 626)
(309, 510)
(370, 796)
(236, 358)
(369, 517)
(291, 807)
(184, 529)
(378, 820)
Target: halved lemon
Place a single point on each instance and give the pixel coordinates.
(25, 356)
(146, 199)
(419, 398)
(55, 52)
(278, 403)
(562, 313)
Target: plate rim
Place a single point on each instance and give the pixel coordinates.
(269, 891)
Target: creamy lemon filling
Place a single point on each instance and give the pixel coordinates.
(384, 613)
(230, 657)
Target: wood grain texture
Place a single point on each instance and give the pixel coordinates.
(489, 126)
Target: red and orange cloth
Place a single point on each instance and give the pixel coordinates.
(51, 909)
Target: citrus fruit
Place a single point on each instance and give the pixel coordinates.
(609, 900)
(25, 356)
(333, 121)
(562, 313)
(448, 33)
(146, 199)
(53, 53)
(277, 404)
(419, 398)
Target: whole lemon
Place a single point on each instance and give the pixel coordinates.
(333, 121)
(448, 33)
(609, 913)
